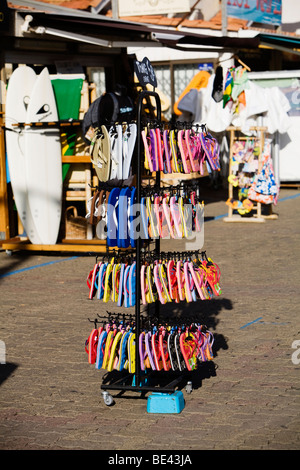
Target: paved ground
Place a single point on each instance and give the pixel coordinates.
(246, 399)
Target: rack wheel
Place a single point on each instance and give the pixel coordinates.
(108, 399)
(9, 252)
(189, 387)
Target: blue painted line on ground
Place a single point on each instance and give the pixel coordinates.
(37, 266)
(250, 323)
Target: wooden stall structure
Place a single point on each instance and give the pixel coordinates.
(259, 212)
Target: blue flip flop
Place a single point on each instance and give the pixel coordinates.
(112, 217)
(132, 282)
(123, 354)
(100, 280)
(132, 217)
(101, 349)
(123, 236)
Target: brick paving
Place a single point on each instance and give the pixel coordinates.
(246, 399)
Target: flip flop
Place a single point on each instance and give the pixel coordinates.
(121, 285)
(132, 282)
(145, 220)
(211, 149)
(129, 140)
(197, 275)
(131, 353)
(167, 152)
(123, 216)
(101, 155)
(144, 360)
(180, 280)
(168, 216)
(174, 208)
(172, 351)
(164, 282)
(145, 293)
(156, 351)
(126, 287)
(101, 349)
(101, 281)
(92, 343)
(160, 149)
(187, 282)
(174, 152)
(108, 345)
(186, 215)
(149, 349)
(114, 352)
(160, 217)
(194, 149)
(132, 229)
(153, 295)
(123, 354)
(163, 346)
(154, 149)
(147, 148)
(112, 217)
(153, 223)
(188, 348)
(180, 358)
(172, 281)
(108, 281)
(185, 157)
(115, 135)
(115, 282)
(91, 281)
(160, 290)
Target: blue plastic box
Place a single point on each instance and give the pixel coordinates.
(165, 402)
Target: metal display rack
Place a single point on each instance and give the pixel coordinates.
(139, 381)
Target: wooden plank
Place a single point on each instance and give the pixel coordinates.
(77, 246)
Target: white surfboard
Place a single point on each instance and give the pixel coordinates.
(43, 161)
(19, 90)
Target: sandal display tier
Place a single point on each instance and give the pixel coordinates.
(252, 187)
(147, 352)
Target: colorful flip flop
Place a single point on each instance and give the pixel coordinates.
(123, 216)
(112, 217)
(167, 152)
(185, 157)
(149, 349)
(131, 353)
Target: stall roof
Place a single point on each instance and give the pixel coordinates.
(79, 25)
(85, 26)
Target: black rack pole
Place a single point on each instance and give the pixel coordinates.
(142, 95)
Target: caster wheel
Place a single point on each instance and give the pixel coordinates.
(9, 252)
(108, 399)
(188, 387)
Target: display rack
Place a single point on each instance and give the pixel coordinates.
(139, 381)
